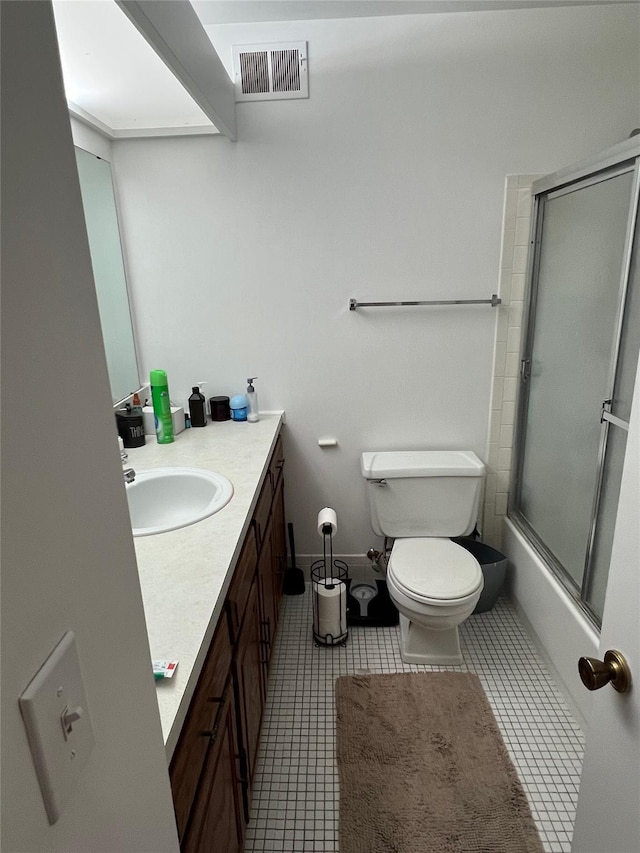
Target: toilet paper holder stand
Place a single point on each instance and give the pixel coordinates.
(329, 595)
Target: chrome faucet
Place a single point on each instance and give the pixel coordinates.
(129, 475)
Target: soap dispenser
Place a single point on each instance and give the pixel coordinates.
(197, 410)
(252, 402)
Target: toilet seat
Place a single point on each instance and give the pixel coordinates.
(434, 570)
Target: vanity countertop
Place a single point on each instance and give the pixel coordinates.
(185, 573)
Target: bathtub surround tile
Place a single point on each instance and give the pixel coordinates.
(508, 412)
(511, 202)
(515, 314)
(502, 481)
(501, 503)
(490, 488)
(518, 286)
(496, 420)
(492, 460)
(521, 236)
(512, 365)
(506, 435)
(500, 358)
(503, 323)
(505, 286)
(523, 204)
(497, 394)
(509, 391)
(504, 459)
(514, 336)
(516, 231)
(295, 802)
(520, 255)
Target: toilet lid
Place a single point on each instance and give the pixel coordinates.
(434, 568)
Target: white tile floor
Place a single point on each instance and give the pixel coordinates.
(295, 799)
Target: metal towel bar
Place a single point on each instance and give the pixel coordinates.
(494, 302)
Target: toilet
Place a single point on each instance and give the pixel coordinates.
(419, 498)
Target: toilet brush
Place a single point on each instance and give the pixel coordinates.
(293, 576)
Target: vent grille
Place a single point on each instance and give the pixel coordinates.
(254, 72)
(270, 72)
(286, 70)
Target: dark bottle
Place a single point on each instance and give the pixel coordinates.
(197, 409)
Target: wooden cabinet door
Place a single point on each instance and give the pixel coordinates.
(267, 591)
(217, 823)
(191, 751)
(248, 670)
(278, 543)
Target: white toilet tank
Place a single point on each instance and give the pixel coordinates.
(423, 492)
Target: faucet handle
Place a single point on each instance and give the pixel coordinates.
(129, 475)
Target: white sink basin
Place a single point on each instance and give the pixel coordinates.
(162, 499)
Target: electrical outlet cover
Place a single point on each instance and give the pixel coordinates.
(56, 717)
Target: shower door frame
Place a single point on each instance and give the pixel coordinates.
(621, 159)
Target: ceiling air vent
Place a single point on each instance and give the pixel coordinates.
(270, 72)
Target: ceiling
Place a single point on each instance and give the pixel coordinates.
(254, 11)
(115, 80)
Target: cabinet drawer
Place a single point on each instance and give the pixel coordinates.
(189, 756)
(238, 594)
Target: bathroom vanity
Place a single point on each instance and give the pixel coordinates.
(211, 595)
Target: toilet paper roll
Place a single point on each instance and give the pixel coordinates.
(327, 516)
(330, 612)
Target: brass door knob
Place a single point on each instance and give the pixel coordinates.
(612, 670)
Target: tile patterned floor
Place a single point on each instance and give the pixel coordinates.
(295, 801)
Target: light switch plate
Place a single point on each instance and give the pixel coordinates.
(56, 717)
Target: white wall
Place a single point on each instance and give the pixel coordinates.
(68, 556)
(387, 183)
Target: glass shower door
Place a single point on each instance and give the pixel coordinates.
(569, 363)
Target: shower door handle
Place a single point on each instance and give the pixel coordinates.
(525, 369)
(613, 670)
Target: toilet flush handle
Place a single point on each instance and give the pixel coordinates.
(378, 482)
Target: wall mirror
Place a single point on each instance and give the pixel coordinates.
(99, 204)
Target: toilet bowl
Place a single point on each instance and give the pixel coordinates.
(435, 584)
(420, 499)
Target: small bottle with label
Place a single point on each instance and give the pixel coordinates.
(197, 410)
(238, 407)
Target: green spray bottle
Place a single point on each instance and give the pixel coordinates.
(161, 406)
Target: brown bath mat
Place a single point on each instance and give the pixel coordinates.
(423, 768)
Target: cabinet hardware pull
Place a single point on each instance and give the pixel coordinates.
(212, 733)
(267, 624)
